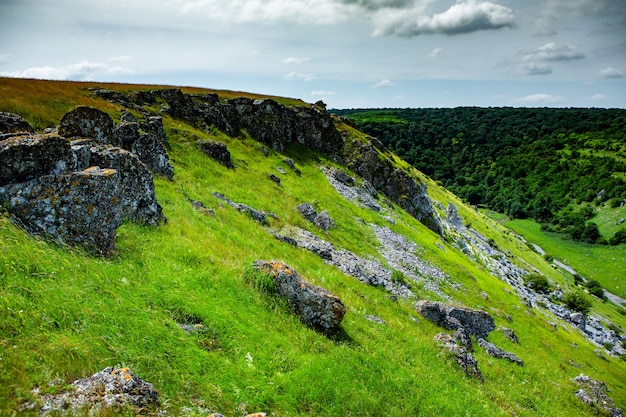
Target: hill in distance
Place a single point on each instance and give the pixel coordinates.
(442, 310)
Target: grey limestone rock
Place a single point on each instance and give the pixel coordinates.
(137, 197)
(595, 393)
(12, 123)
(80, 208)
(323, 221)
(307, 211)
(474, 322)
(496, 352)
(315, 306)
(88, 122)
(23, 158)
(466, 361)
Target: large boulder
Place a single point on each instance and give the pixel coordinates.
(11, 124)
(473, 322)
(23, 158)
(80, 208)
(316, 307)
(137, 198)
(87, 122)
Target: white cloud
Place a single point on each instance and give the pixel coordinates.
(296, 60)
(81, 71)
(270, 11)
(611, 72)
(435, 53)
(383, 84)
(552, 52)
(300, 76)
(462, 17)
(540, 98)
(598, 97)
(322, 93)
(535, 69)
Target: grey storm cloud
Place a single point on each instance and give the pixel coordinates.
(460, 18)
(535, 69)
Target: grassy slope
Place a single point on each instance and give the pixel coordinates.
(66, 315)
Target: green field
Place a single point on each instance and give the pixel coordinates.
(606, 264)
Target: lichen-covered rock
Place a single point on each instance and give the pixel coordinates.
(12, 123)
(114, 388)
(88, 122)
(474, 322)
(81, 208)
(137, 197)
(314, 305)
(149, 147)
(217, 151)
(23, 158)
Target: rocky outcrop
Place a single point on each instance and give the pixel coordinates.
(111, 388)
(595, 393)
(78, 192)
(27, 157)
(367, 160)
(315, 306)
(217, 151)
(473, 322)
(80, 208)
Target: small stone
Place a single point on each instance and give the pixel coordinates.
(274, 179)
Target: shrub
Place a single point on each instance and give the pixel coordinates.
(618, 237)
(548, 257)
(399, 278)
(577, 301)
(595, 288)
(537, 282)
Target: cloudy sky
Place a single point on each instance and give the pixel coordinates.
(349, 53)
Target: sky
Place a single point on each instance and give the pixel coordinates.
(348, 53)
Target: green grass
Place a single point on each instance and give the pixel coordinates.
(66, 315)
(606, 264)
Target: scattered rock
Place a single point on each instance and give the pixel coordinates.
(217, 151)
(375, 319)
(496, 352)
(274, 179)
(111, 388)
(258, 215)
(87, 122)
(474, 322)
(199, 206)
(81, 208)
(462, 356)
(314, 305)
(595, 393)
(307, 211)
(510, 334)
(280, 170)
(342, 177)
(292, 165)
(323, 221)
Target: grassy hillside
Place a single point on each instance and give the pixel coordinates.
(65, 315)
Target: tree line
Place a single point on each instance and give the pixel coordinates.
(549, 164)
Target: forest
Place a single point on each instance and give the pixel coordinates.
(550, 164)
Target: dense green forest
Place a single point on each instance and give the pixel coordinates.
(552, 165)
